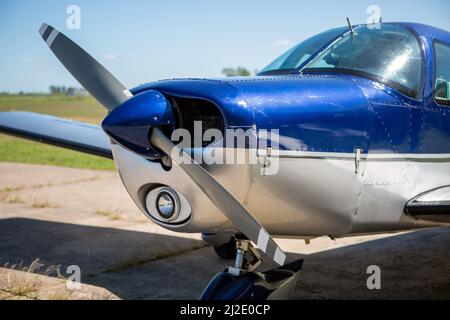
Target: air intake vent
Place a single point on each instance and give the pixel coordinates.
(190, 110)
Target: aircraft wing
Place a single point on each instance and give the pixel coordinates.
(60, 132)
(433, 205)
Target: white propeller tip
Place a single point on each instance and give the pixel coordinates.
(43, 28)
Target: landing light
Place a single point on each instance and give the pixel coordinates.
(165, 204)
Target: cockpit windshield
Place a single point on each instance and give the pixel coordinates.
(293, 59)
(386, 53)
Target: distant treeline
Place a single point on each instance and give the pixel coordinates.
(237, 72)
(80, 92)
(68, 91)
(22, 93)
(53, 90)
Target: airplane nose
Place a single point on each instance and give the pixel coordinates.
(129, 124)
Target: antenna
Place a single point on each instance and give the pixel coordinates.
(350, 27)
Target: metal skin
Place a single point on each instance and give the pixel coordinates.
(322, 119)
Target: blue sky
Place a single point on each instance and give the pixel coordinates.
(141, 41)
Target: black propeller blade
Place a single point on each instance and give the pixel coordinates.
(98, 81)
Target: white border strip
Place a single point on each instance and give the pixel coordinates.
(127, 93)
(279, 257)
(263, 239)
(52, 37)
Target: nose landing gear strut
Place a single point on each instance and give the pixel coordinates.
(243, 282)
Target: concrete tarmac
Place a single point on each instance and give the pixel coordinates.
(65, 217)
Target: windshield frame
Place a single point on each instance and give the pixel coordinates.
(406, 91)
(438, 101)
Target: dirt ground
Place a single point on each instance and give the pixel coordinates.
(67, 217)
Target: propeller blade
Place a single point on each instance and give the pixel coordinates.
(95, 78)
(229, 206)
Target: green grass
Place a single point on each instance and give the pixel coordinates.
(84, 109)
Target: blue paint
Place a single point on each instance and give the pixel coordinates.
(321, 112)
(130, 123)
(235, 109)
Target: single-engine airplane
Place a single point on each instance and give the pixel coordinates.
(351, 133)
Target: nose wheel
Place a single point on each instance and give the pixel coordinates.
(242, 282)
(226, 251)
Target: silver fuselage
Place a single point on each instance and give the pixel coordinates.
(312, 194)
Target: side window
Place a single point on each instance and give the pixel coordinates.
(442, 76)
